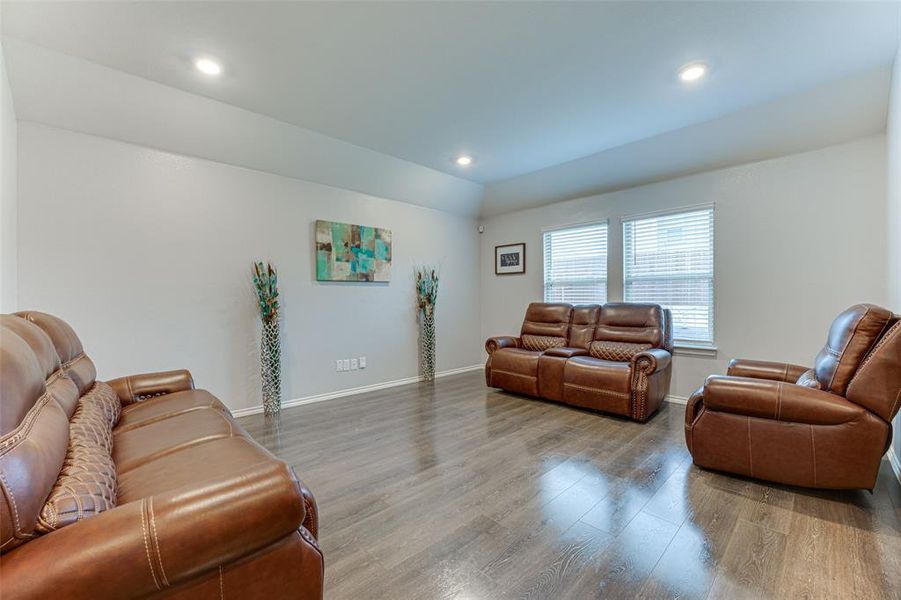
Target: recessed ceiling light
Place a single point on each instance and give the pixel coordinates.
(208, 66)
(692, 72)
(464, 161)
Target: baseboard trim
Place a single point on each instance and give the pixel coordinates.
(895, 462)
(255, 410)
(676, 399)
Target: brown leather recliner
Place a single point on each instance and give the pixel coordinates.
(139, 487)
(821, 427)
(614, 358)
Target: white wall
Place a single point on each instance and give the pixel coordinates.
(8, 194)
(798, 239)
(893, 138)
(148, 255)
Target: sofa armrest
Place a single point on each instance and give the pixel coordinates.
(143, 547)
(777, 400)
(566, 352)
(493, 344)
(135, 388)
(761, 369)
(651, 361)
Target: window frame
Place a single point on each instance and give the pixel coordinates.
(690, 346)
(571, 226)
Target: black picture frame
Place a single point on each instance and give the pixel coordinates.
(510, 259)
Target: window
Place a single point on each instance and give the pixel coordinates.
(575, 264)
(668, 259)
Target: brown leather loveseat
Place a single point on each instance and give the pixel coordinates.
(614, 358)
(821, 427)
(139, 487)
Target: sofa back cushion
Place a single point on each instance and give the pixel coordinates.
(581, 329)
(851, 337)
(547, 320)
(616, 351)
(540, 343)
(86, 485)
(877, 383)
(632, 323)
(71, 354)
(34, 427)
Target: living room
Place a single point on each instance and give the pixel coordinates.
(450, 300)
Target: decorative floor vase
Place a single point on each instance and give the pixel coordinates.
(427, 346)
(271, 368)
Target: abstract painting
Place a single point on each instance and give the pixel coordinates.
(346, 252)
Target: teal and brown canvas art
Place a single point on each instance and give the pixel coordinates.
(346, 252)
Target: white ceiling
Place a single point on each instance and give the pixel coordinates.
(520, 86)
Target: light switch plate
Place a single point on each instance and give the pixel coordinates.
(354, 364)
(362, 362)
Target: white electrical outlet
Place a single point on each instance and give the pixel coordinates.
(339, 365)
(362, 362)
(346, 364)
(354, 364)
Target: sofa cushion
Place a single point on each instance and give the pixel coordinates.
(540, 343)
(86, 485)
(139, 445)
(516, 370)
(599, 384)
(194, 466)
(616, 351)
(161, 407)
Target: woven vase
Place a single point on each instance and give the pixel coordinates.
(427, 344)
(271, 367)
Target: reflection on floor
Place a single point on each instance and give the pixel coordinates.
(458, 491)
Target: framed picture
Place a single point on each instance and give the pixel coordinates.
(510, 259)
(348, 252)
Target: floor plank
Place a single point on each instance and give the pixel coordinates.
(453, 490)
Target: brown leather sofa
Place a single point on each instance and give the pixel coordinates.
(138, 487)
(614, 358)
(821, 427)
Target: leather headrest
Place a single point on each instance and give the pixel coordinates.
(851, 336)
(64, 338)
(547, 319)
(633, 323)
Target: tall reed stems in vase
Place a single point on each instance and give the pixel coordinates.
(426, 297)
(265, 280)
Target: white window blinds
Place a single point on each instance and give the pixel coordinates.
(668, 260)
(575, 264)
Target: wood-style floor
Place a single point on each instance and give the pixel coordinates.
(453, 490)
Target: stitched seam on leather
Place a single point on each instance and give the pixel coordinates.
(9, 492)
(779, 389)
(813, 453)
(750, 460)
(598, 390)
(785, 372)
(847, 343)
(12, 439)
(221, 585)
(129, 466)
(512, 373)
(156, 541)
(74, 360)
(147, 544)
(131, 394)
(162, 417)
